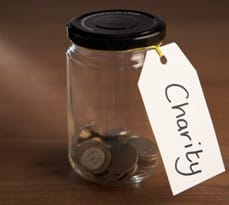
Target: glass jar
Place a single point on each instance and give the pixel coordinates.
(110, 138)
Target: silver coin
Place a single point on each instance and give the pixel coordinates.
(148, 160)
(115, 136)
(123, 158)
(92, 156)
(113, 140)
(129, 174)
(146, 167)
(117, 132)
(148, 164)
(107, 176)
(112, 177)
(145, 148)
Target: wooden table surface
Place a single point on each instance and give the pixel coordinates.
(34, 168)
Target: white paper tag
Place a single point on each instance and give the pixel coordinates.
(180, 119)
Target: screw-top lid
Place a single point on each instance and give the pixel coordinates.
(116, 30)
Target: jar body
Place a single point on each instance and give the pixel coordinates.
(110, 138)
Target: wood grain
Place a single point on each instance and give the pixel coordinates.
(33, 132)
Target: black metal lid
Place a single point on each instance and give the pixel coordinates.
(116, 30)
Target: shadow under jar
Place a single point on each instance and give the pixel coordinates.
(110, 138)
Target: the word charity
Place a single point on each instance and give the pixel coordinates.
(187, 163)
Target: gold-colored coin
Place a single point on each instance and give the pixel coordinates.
(85, 133)
(88, 131)
(98, 139)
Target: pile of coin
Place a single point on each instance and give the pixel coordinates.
(115, 155)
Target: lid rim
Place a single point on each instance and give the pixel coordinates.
(148, 32)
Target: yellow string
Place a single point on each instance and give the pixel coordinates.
(157, 48)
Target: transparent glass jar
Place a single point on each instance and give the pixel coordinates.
(110, 138)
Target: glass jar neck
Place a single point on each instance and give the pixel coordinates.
(124, 59)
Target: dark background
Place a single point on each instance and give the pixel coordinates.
(33, 132)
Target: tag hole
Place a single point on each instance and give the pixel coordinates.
(163, 60)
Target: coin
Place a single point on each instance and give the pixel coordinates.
(112, 177)
(107, 176)
(92, 156)
(148, 164)
(129, 174)
(123, 158)
(85, 133)
(110, 140)
(98, 139)
(117, 132)
(88, 131)
(97, 131)
(148, 160)
(145, 167)
(114, 155)
(145, 148)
